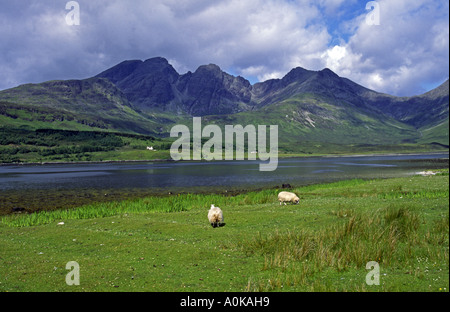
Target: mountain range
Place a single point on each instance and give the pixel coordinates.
(149, 97)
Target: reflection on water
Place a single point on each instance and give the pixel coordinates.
(368, 165)
(161, 177)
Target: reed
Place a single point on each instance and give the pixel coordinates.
(172, 203)
(387, 236)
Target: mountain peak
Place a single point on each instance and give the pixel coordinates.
(157, 60)
(440, 91)
(326, 72)
(298, 74)
(155, 84)
(154, 64)
(120, 71)
(318, 100)
(210, 68)
(156, 68)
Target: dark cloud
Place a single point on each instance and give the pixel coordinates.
(258, 39)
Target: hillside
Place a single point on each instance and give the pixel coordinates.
(311, 108)
(357, 113)
(89, 104)
(426, 110)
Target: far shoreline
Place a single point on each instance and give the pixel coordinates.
(43, 163)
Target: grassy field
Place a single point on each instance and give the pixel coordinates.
(166, 243)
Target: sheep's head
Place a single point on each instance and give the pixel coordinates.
(296, 200)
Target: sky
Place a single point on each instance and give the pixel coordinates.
(399, 47)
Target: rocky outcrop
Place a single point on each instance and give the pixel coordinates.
(155, 84)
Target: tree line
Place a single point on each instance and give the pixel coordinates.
(48, 142)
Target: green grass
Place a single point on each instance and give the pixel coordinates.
(167, 244)
(437, 133)
(27, 145)
(174, 203)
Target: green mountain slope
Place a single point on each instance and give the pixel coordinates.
(426, 110)
(93, 104)
(308, 123)
(311, 108)
(435, 134)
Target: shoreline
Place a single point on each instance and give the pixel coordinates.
(18, 201)
(43, 163)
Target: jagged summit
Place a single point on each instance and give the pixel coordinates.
(155, 84)
(319, 103)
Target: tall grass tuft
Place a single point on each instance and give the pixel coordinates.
(173, 203)
(385, 236)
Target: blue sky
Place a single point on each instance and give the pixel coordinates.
(406, 54)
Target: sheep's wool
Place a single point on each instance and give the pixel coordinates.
(215, 216)
(284, 197)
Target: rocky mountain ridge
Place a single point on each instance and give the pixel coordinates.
(150, 96)
(155, 84)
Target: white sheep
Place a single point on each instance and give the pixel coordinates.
(284, 197)
(215, 216)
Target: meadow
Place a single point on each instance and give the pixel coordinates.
(165, 243)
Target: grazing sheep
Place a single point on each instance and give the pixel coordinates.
(215, 216)
(284, 197)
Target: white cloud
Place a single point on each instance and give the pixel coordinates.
(334, 56)
(257, 38)
(408, 48)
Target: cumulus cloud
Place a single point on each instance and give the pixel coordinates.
(408, 48)
(257, 39)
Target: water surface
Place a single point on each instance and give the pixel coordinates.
(43, 185)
